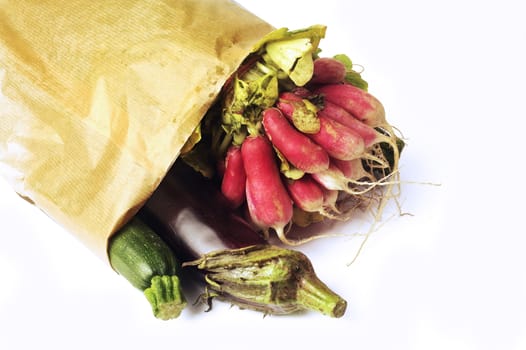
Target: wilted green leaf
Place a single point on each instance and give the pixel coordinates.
(305, 117)
(288, 169)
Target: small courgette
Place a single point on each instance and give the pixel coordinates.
(138, 254)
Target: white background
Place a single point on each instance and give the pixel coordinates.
(451, 276)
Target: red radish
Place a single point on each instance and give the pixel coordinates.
(297, 148)
(334, 179)
(338, 140)
(296, 96)
(359, 180)
(335, 112)
(286, 103)
(345, 166)
(306, 193)
(301, 91)
(353, 170)
(356, 101)
(328, 70)
(234, 178)
(268, 202)
(310, 196)
(331, 179)
(371, 136)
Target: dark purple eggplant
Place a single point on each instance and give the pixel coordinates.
(236, 263)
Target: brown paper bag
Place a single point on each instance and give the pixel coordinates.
(98, 97)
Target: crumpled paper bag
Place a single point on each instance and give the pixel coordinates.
(98, 97)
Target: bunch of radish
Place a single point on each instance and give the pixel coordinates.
(298, 147)
(332, 133)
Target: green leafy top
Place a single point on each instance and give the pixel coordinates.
(351, 76)
(286, 56)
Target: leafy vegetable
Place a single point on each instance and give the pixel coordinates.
(351, 76)
(315, 33)
(249, 98)
(294, 57)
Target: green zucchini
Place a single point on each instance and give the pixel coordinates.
(138, 254)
